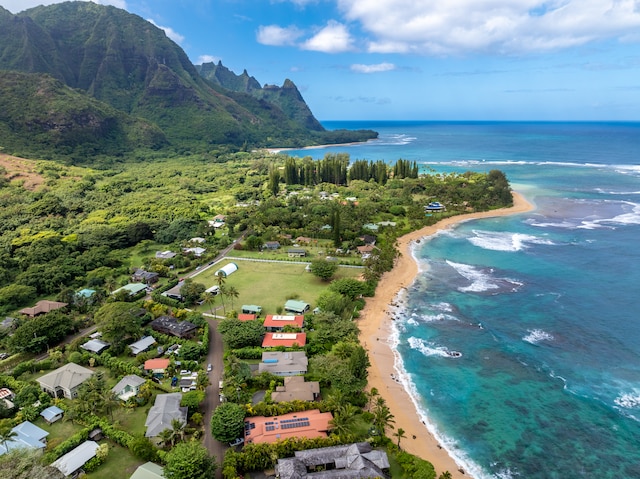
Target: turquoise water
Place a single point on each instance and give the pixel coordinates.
(543, 306)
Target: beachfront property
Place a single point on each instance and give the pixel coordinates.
(287, 340)
(277, 322)
(73, 461)
(165, 409)
(27, 436)
(296, 307)
(434, 207)
(283, 363)
(296, 389)
(142, 345)
(309, 424)
(64, 381)
(43, 307)
(171, 326)
(128, 387)
(335, 462)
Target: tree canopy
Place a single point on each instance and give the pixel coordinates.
(227, 422)
(189, 460)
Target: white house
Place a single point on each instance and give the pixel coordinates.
(64, 381)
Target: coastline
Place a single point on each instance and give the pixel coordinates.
(317, 147)
(376, 333)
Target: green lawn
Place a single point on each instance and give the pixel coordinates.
(59, 431)
(119, 463)
(270, 284)
(132, 419)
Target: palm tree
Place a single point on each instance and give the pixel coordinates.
(166, 436)
(445, 475)
(232, 292)
(178, 430)
(110, 285)
(344, 420)
(210, 299)
(400, 435)
(6, 434)
(220, 279)
(382, 417)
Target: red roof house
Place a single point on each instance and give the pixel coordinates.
(246, 317)
(272, 340)
(277, 322)
(310, 424)
(158, 364)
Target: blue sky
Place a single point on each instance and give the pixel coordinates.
(420, 59)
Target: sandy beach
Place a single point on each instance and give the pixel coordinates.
(375, 326)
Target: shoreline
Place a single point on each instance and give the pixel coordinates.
(376, 337)
(318, 147)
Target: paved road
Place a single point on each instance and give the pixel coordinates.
(212, 399)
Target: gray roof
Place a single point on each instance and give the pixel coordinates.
(76, 458)
(165, 409)
(130, 380)
(95, 346)
(356, 460)
(283, 362)
(69, 376)
(142, 345)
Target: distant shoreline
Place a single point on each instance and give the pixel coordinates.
(318, 147)
(376, 328)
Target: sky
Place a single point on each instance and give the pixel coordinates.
(420, 59)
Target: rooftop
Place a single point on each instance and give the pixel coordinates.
(280, 321)
(309, 424)
(288, 340)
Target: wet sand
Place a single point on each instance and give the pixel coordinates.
(375, 326)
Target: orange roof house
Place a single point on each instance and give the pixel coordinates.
(309, 424)
(158, 364)
(246, 317)
(288, 340)
(277, 322)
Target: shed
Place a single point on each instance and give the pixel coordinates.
(95, 346)
(227, 269)
(251, 309)
(148, 470)
(52, 414)
(142, 345)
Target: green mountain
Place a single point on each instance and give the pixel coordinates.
(125, 62)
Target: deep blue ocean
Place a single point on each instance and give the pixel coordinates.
(544, 306)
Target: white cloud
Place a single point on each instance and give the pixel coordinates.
(16, 6)
(495, 26)
(380, 67)
(170, 32)
(207, 59)
(334, 38)
(277, 36)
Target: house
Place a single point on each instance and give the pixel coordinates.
(174, 293)
(76, 458)
(128, 387)
(197, 240)
(187, 384)
(142, 345)
(170, 325)
(366, 250)
(371, 227)
(296, 253)
(148, 470)
(303, 240)
(271, 245)
(165, 409)
(434, 207)
(309, 424)
(280, 363)
(43, 307)
(297, 307)
(368, 239)
(288, 340)
(296, 389)
(251, 309)
(157, 366)
(64, 381)
(85, 293)
(335, 462)
(217, 221)
(27, 436)
(131, 288)
(246, 317)
(197, 251)
(165, 254)
(96, 346)
(226, 270)
(277, 322)
(386, 223)
(147, 277)
(52, 414)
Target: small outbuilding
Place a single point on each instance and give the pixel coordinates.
(76, 458)
(297, 307)
(52, 414)
(142, 345)
(251, 309)
(227, 269)
(95, 346)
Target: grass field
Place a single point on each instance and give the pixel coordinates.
(119, 463)
(270, 284)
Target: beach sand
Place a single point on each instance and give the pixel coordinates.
(375, 329)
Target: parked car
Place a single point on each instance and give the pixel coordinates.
(209, 367)
(185, 372)
(236, 442)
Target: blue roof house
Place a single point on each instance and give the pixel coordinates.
(52, 414)
(28, 436)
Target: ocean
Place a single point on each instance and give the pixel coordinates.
(543, 306)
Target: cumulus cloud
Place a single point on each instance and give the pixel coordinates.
(497, 26)
(377, 68)
(16, 6)
(277, 36)
(207, 59)
(170, 32)
(333, 38)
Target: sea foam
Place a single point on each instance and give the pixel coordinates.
(505, 241)
(482, 280)
(537, 335)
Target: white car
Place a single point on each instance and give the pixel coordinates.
(209, 367)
